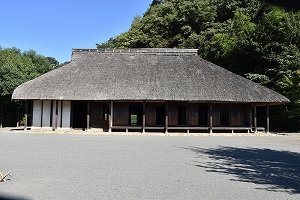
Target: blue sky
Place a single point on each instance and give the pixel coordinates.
(53, 27)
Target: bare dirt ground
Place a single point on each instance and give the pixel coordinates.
(91, 165)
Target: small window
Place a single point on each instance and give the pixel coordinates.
(135, 115)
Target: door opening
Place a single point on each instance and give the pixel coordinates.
(79, 115)
(161, 115)
(182, 115)
(203, 115)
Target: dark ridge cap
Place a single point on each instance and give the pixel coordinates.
(138, 50)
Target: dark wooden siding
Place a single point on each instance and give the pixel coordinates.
(150, 114)
(203, 114)
(246, 113)
(98, 119)
(223, 114)
(216, 114)
(173, 114)
(240, 115)
(121, 114)
(192, 114)
(236, 117)
(96, 115)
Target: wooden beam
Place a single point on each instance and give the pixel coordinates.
(26, 115)
(255, 119)
(210, 118)
(268, 119)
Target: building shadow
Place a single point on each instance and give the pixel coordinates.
(275, 170)
(18, 129)
(11, 198)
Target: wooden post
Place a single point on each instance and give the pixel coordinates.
(31, 113)
(167, 117)
(56, 114)
(88, 115)
(255, 119)
(61, 114)
(268, 119)
(110, 117)
(210, 117)
(51, 114)
(42, 110)
(144, 116)
(25, 115)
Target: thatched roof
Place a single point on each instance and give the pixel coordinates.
(144, 74)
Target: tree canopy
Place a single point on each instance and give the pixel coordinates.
(253, 38)
(17, 67)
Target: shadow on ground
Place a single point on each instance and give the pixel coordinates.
(275, 170)
(11, 198)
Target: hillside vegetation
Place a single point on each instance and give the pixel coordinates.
(253, 38)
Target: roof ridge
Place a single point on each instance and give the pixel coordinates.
(137, 50)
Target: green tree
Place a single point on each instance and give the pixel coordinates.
(255, 39)
(109, 44)
(290, 86)
(17, 67)
(155, 2)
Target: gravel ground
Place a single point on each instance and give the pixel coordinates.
(97, 166)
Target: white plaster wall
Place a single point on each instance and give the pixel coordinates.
(46, 114)
(44, 107)
(66, 114)
(36, 113)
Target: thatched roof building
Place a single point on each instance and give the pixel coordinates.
(144, 74)
(161, 75)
